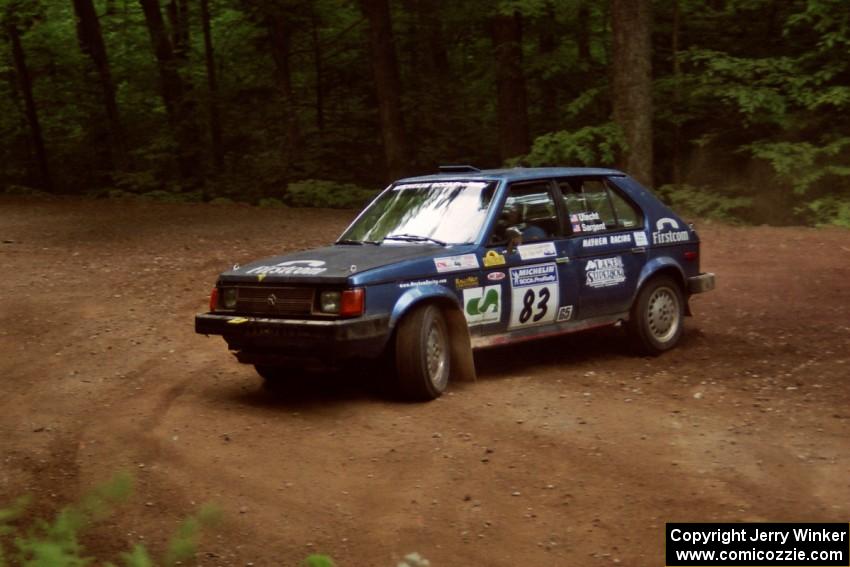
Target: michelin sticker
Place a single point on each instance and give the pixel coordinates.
(482, 305)
(538, 250)
(534, 295)
(456, 263)
(565, 313)
(667, 232)
(290, 268)
(605, 272)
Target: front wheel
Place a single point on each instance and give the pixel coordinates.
(422, 353)
(655, 322)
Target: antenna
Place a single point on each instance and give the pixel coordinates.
(459, 169)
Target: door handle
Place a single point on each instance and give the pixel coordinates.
(639, 250)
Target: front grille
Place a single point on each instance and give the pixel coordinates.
(267, 300)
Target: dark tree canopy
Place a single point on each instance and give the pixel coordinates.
(734, 109)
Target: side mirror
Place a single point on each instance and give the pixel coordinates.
(514, 236)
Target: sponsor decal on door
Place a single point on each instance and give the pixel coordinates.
(534, 295)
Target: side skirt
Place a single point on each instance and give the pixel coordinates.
(547, 331)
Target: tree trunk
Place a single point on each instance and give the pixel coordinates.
(178, 19)
(25, 86)
(212, 86)
(280, 38)
(318, 67)
(387, 86)
(583, 34)
(512, 108)
(180, 110)
(631, 74)
(91, 43)
(547, 44)
(677, 96)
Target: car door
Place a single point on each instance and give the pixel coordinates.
(532, 272)
(607, 244)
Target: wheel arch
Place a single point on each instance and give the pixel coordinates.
(462, 363)
(664, 266)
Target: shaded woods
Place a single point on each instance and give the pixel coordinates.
(733, 109)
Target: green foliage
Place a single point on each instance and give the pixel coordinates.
(705, 202)
(317, 560)
(327, 194)
(802, 164)
(829, 211)
(185, 542)
(56, 543)
(591, 146)
(22, 191)
(754, 84)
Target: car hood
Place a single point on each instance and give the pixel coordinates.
(329, 265)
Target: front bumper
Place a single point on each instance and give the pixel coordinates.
(701, 283)
(262, 340)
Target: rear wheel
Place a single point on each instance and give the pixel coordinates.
(423, 353)
(655, 322)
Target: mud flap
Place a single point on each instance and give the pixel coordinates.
(463, 365)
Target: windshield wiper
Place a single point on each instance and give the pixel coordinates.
(414, 238)
(358, 242)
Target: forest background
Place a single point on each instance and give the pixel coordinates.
(729, 109)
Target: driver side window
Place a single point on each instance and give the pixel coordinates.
(530, 209)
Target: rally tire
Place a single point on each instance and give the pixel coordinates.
(656, 321)
(422, 354)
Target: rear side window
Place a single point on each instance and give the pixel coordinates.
(596, 206)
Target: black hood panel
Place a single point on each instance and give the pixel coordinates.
(329, 265)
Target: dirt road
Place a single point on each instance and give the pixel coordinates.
(566, 452)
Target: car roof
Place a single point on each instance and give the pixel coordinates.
(513, 174)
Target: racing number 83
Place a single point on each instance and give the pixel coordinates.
(528, 306)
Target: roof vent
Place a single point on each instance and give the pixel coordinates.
(459, 169)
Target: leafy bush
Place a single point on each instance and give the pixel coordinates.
(705, 202)
(23, 191)
(56, 543)
(271, 203)
(829, 211)
(327, 194)
(591, 146)
(161, 196)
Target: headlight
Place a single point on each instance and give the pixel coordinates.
(329, 301)
(228, 298)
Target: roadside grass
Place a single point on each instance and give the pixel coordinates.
(41, 542)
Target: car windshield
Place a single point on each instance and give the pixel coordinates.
(448, 212)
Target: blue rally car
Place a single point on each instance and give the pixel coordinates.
(439, 265)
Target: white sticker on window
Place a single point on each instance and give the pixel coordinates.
(536, 250)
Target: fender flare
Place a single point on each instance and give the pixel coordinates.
(665, 264)
(463, 365)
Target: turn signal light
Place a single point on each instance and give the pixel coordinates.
(213, 299)
(352, 302)
(691, 255)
